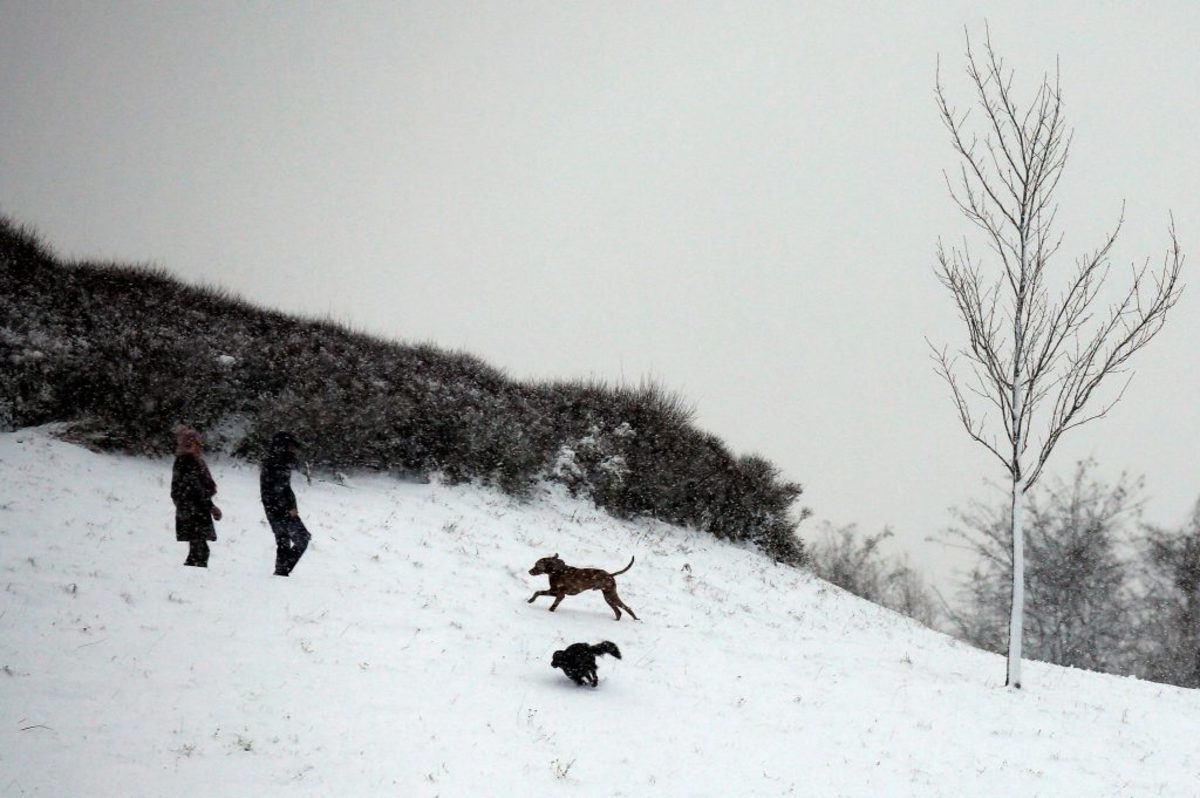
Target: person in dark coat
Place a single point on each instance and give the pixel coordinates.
(279, 502)
(192, 489)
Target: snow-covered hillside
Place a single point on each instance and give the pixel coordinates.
(402, 659)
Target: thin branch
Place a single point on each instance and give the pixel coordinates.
(1026, 357)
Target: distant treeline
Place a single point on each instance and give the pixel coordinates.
(1103, 590)
(126, 352)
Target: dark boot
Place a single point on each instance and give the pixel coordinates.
(197, 554)
(299, 544)
(291, 539)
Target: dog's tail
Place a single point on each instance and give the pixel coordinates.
(607, 647)
(626, 568)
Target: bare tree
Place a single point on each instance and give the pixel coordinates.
(1035, 360)
(858, 565)
(1081, 606)
(1170, 603)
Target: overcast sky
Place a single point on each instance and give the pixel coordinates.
(740, 201)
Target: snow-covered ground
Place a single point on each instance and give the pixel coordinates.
(402, 660)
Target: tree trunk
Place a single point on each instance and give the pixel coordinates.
(1017, 611)
(1192, 636)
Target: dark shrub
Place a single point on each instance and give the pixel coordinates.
(127, 352)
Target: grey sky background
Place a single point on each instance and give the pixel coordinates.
(739, 201)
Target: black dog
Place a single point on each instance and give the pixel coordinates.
(578, 660)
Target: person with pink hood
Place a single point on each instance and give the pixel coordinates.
(192, 489)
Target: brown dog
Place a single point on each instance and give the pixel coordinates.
(567, 581)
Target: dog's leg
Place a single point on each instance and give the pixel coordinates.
(626, 608)
(558, 600)
(613, 601)
(539, 593)
(595, 680)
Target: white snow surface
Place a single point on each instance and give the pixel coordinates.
(401, 659)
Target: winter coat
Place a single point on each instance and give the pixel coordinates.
(192, 489)
(275, 484)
